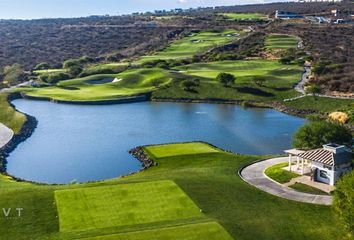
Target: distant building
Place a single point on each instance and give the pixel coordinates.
(286, 15)
(320, 0)
(178, 10)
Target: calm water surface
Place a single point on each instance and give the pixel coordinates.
(86, 143)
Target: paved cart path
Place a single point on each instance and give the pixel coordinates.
(254, 175)
(5, 135)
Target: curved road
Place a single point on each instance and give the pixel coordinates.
(5, 135)
(254, 175)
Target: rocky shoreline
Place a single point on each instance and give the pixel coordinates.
(139, 153)
(274, 105)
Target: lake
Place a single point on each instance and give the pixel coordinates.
(86, 143)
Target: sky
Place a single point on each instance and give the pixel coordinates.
(31, 9)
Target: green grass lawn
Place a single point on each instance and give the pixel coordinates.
(244, 16)
(323, 104)
(105, 68)
(9, 116)
(161, 151)
(278, 86)
(49, 71)
(189, 46)
(278, 174)
(280, 41)
(131, 82)
(197, 231)
(123, 205)
(307, 189)
(209, 179)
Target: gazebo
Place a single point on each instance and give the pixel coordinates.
(327, 164)
(295, 153)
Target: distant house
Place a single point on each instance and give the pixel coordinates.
(286, 15)
(325, 164)
(320, 0)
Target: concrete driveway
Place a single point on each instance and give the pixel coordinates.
(254, 175)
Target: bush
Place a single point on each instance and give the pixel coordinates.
(13, 74)
(226, 79)
(71, 63)
(42, 66)
(54, 77)
(312, 89)
(75, 70)
(317, 133)
(285, 60)
(320, 68)
(343, 202)
(259, 80)
(190, 85)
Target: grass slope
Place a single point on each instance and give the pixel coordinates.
(121, 205)
(209, 179)
(280, 41)
(209, 230)
(9, 116)
(278, 174)
(189, 46)
(161, 151)
(321, 104)
(278, 86)
(132, 82)
(307, 189)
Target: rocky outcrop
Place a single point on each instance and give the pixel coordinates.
(140, 154)
(291, 111)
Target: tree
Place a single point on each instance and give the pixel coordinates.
(320, 68)
(190, 85)
(259, 80)
(343, 202)
(71, 63)
(285, 60)
(75, 70)
(54, 77)
(313, 90)
(226, 79)
(317, 133)
(42, 66)
(13, 74)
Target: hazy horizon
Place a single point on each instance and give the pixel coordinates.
(37, 9)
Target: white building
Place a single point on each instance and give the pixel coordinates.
(326, 164)
(320, 0)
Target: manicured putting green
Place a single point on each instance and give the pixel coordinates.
(161, 151)
(123, 205)
(280, 41)
(208, 230)
(191, 45)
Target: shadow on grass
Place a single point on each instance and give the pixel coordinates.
(69, 88)
(254, 91)
(280, 88)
